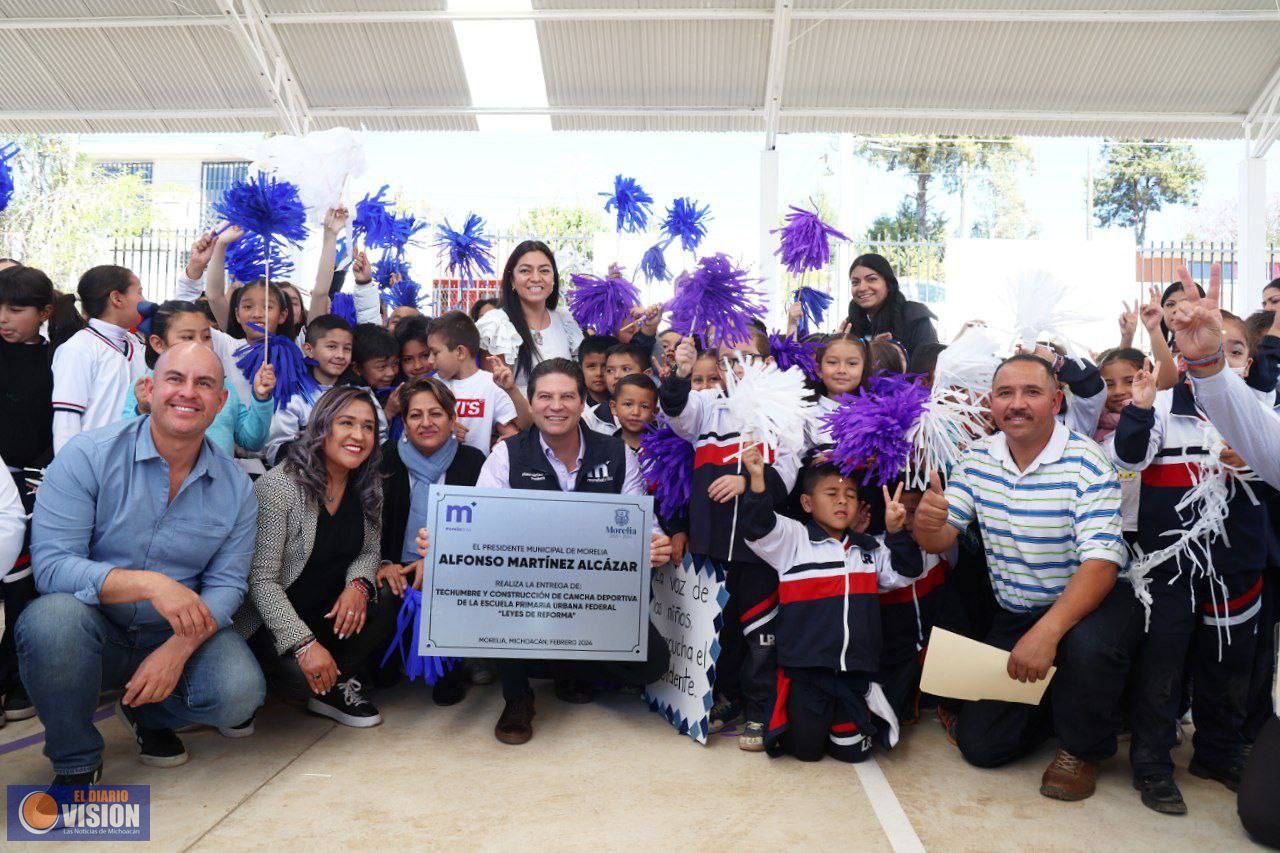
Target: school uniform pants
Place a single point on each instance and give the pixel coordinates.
(514, 673)
(1222, 617)
(1083, 700)
(748, 664)
(823, 710)
(1260, 787)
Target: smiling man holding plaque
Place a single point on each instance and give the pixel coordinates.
(558, 455)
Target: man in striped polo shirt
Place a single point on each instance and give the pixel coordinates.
(1047, 502)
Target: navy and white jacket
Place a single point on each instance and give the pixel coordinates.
(703, 419)
(829, 589)
(1088, 395)
(600, 419)
(1166, 444)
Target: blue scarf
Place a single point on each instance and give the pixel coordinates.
(424, 471)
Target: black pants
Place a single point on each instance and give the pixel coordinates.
(823, 713)
(1083, 700)
(1260, 787)
(514, 673)
(746, 671)
(901, 684)
(1183, 608)
(1259, 707)
(357, 656)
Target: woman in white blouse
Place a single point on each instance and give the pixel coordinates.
(529, 326)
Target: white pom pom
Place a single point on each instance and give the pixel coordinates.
(771, 404)
(970, 363)
(319, 164)
(1039, 306)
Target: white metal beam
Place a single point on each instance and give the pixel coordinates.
(279, 83)
(1029, 15)
(1262, 124)
(779, 43)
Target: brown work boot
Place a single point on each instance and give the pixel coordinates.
(515, 726)
(1069, 778)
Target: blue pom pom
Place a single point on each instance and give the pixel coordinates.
(405, 293)
(374, 222)
(687, 222)
(465, 252)
(341, 254)
(404, 228)
(631, 204)
(292, 375)
(247, 259)
(408, 636)
(7, 153)
(653, 266)
(344, 305)
(813, 308)
(265, 206)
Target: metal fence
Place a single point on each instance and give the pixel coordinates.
(159, 256)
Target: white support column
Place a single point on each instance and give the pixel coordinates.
(769, 269)
(1251, 251)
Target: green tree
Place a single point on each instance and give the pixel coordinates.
(65, 213)
(954, 159)
(555, 221)
(1006, 216)
(905, 225)
(1141, 176)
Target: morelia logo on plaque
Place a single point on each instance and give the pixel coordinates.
(79, 813)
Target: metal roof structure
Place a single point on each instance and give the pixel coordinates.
(1199, 69)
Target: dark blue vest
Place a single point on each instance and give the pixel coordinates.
(603, 469)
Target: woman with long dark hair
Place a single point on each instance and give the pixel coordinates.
(878, 307)
(312, 616)
(529, 326)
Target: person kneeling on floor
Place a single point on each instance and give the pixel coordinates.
(312, 617)
(827, 632)
(1056, 582)
(141, 540)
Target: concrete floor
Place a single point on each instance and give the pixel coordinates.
(609, 775)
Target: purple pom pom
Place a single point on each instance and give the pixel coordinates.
(716, 298)
(653, 266)
(267, 207)
(686, 222)
(430, 668)
(813, 307)
(292, 375)
(870, 428)
(466, 251)
(247, 259)
(667, 462)
(374, 221)
(805, 242)
(631, 204)
(788, 352)
(344, 305)
(602, 304)
(7, 153)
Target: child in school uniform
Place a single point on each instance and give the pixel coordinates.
(94, 370)
(329, 346)
(414, 336)
(621, 360)
(706, 373)
(591, 357)
(634, 407)
(841, 365)
(27, 301)
(489, 406)
(375, 364)
(1161, 436)
(828, 625)
(747, 669)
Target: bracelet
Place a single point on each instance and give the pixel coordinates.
(361, 586)
(1205, 362)
(301, 652)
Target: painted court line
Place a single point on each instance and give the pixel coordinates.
(884, 802)
(38, 737)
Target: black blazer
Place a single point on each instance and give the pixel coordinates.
(917, 325)
(464, 471)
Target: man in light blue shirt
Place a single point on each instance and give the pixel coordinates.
(141, 542)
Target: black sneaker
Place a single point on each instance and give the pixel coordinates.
(244, 729)
(449, 690)
(17, 706)
(1160, 794)
(156, 747)
(93, 777)
(346, 704)
(724, 715)
(1228, 775)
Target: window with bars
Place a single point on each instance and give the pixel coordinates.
(110, 168)
(215, 179)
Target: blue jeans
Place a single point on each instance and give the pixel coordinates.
(69, 652)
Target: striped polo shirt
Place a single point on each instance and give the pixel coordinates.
(1040, 524)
